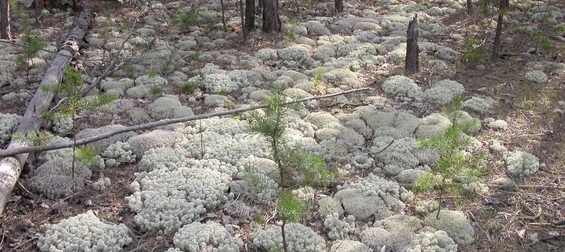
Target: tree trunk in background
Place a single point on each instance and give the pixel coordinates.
(249, 15)
(271, 19)
(496, 45)
(223, 16)
(469, 7)
(411, 62)
(5, 20)
(339, 6)
(11, 167)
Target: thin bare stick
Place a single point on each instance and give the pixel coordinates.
(15, 151)
(26, 190)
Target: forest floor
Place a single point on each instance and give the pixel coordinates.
(504, 218)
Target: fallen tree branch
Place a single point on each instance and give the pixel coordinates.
(10, 167)
(16, 151)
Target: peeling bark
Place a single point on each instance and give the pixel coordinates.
(10, 167)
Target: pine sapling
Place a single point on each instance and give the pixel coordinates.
(454, 164)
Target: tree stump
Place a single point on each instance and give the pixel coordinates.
(411, 62)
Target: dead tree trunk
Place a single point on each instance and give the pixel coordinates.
(10, 167)
(469, 7)
(411, 61)
(5, 20)
(339, 6)
(249, 15)
(223, 16)
(271, 19)
(498, 34)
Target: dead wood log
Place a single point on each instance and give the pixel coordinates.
(10, 167)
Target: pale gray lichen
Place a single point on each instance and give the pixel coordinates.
(343, 75)
(397, 56)
(226, 148)
(118, 153)
(430, 240)
(216, 83)
(323, 120)
(536, 76)
(8, 123)
(409, 176)
(103, 144)
(63, 155)
(298, 238)
(395, 123)
(497, 147)
(329, 205)
(54, 178)
(496, 124)
(245, 78)
(168, 107)
(173, 158)
(401, 86)
(63, 123)
(266, 54)
(443, 92)
(324, 53)
(157, 138)
(163, 158)
(211, 236)
(358, 124)
(466, 122)
(339, 228)
(239, 211)
(432, 125)
(101, 184)
(478, 104)
(373, 196)
(228, 125)
(394, 233)
(454, 223)
(425, 207)
(362, 162)
(259, 185)
(316, 28)
(475, 187)
(519, 163)
(447, 53)
(164, 199)
(151, 81)
(401, 154)
(349, 246)
(356, 50)
(295, 56)
(84, 232)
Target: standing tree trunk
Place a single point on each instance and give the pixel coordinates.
(496, 45)
(339, 6)
(271, 19)
(224, 16)
(469, 7)
(10, 167)
(249, 15)
(411, 62)
(5, 20)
